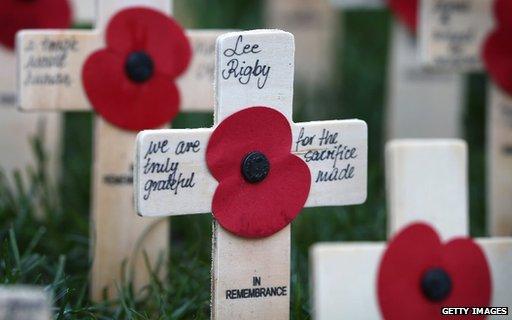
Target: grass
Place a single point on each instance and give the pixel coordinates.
(52, 249)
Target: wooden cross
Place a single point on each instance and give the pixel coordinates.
(420, 104)
(467, 23)
(426, 181)
(312, 23)
(263, 77)
(451, 33)
(21, 302)
(117, 232)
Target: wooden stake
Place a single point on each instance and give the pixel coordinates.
(118, 233)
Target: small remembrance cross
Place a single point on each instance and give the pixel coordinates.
(254, 171)
(458, 36)
(427, 183)
(53, 77)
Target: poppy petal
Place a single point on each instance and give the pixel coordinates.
(16, 15)
(503, 13)
(467, 265)
(124, 103)
(161, 37)
(256, 210)
(254, 129)
(410, 254)
(260, 210)
(406, 11)
(497, 51)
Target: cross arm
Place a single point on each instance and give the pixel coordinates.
(338, 267)
(50, 69)
(171, 176)
(336, 154)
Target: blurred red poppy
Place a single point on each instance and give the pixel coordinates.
(16, 15)
(497, 51)
(262, 185)
(406, 11)
(131, 82)
(418, 275)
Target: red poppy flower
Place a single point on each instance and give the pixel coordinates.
(131, 81)
(418, 275)
(503, 13)
(406, 11)
(497, 51)
(262, 185)
(16, 15)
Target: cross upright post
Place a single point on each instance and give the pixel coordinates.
(52, 77)
(251, 261)
(313, 23)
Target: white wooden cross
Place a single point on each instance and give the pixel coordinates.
(313, 23)
(117, 232)
(240, 263)
(467, 24)
(24, 303)
(420, 104)
(427, 182)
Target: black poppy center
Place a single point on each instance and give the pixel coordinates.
(436, 284)
(139, 66)
(255, 167)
